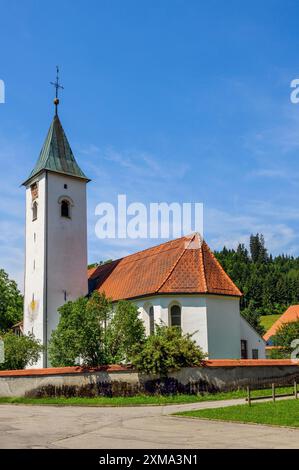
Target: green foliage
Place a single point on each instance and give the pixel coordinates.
(269, 284)
(286, 333)
(280, 413)
(166, 350)
(124, 331)
(90, 332)
(11, 302)
(258, 251)
(253, 318)
(81, 332)
(100, 263)
(20, 351)
(139, 399)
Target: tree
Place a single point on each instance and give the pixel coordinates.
(80, 336)
(11, 302)
(258, 251)
(124, 331)
(166, 350)
(242, 253)
(100, 263)
(284, 337)
(20, 351)
(253, 318)
(271, 283)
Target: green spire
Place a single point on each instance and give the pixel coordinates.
(56, 154)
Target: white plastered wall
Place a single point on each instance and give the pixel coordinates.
(215, 320)
(254, 340)
(193, 311)
(35, 264)
(223, 322)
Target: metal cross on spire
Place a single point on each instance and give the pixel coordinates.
(57, 87)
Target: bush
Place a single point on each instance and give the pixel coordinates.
(286, 333)
(166, 350)
(91, 333)
(20, 351)
(80, 337)
(124, 331)
(11, 302)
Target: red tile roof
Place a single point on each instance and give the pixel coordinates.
(119, 368)
(290, 315)
(182, 266)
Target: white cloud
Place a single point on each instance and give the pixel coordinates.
(226, 229)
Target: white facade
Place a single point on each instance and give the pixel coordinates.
(56, 252)
(256, 345)
(215, 321)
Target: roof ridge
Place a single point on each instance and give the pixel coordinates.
(175, 264)
(220, 266)
(204, 268)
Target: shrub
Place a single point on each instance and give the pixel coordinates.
(286, 333)
(80, 336)
(11, 302)
(166, 350)
(20, 351)
(124, 331)
(91, 333)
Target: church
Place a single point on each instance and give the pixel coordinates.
(179, 282)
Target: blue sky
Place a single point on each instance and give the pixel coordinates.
(164, 101)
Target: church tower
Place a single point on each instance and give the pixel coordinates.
(56, 235)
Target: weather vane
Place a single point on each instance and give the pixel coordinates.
(57, 87)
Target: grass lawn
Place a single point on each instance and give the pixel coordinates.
(280, 413)
(268, 320)
(136, 400)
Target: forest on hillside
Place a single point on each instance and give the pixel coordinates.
(269, 284)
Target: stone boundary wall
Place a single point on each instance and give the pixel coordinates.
(214, 375)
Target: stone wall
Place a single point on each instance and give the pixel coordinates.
(215, 375)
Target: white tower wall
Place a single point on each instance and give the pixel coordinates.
(56, 256)
(34, 299)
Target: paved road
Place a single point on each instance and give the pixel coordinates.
(131, 427)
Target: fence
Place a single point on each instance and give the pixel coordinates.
(273, 395)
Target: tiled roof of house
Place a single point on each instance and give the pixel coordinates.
(182, 266)
(290, 315)
(56, 154)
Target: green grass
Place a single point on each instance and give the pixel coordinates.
(268, 320)
(280, 413)
(137, 400)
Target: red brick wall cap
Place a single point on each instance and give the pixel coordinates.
(119, 368)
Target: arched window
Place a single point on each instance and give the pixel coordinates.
(151, 320)
(65, 209)
(34, 211)
(175, 316)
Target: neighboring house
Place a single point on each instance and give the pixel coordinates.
(17, 329)
(290, 315)
(181, 283)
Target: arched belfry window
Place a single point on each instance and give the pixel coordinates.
(175, 316)
(65, 208)
(34, 211)
(151, 320)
